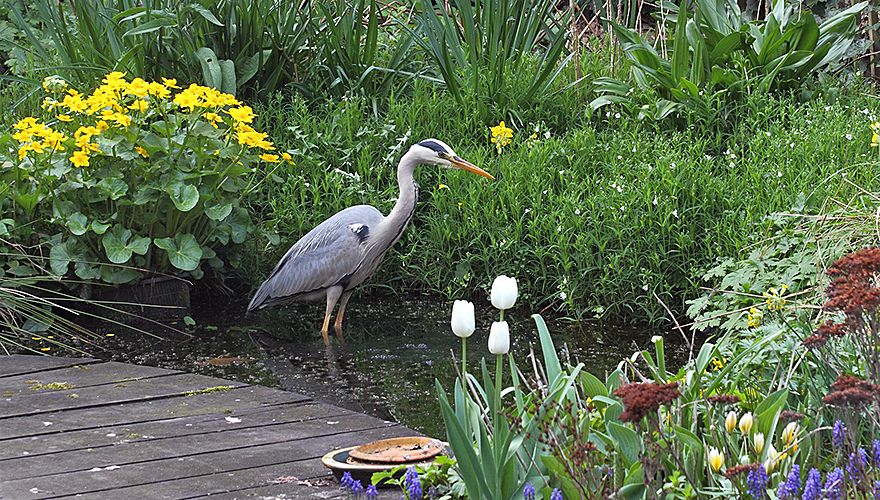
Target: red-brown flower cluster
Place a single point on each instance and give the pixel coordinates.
(853, 288)
(641, 399)
(736, 470)
(724, 399)
(851, 391)
(825, 331)
(790, 416)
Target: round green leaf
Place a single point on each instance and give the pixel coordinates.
(218, 211)
(184, 196)
(78, 224)
(116, 244)
(184, 251)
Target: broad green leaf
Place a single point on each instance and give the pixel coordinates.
(628, 441)
(184, 196)
(78, 224)
(218, 211)
(115, 244)
(113, 188)
(183, 250)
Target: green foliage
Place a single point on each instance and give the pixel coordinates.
(134, 177)
(441, 476)
(716, 56)
(476, 46)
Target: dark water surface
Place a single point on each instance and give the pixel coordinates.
(394, 350)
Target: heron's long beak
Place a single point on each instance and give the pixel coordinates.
(470, 167)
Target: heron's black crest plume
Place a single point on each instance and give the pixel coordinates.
(433, 146)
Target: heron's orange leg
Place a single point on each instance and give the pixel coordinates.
(332, 297)
(341, 314)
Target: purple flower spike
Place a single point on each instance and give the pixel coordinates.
(356, 488)
(813, 488)
(346, 480)
(372, 492)
(855, 469)
(792, 486)
(838, 434)
(876, 452)
(877, 490)
(757, 482)
(556, 495)
(529, 492)
(413, 484)
(834, 485)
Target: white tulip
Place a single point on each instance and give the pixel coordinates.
(499, 338)
(462, 322)
(504, 292)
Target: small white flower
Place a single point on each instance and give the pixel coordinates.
(675, 213)
(865, 112)
(562, 295)
(779, 173)
(848, 137)
(499, 338)
(504, 292)
(617, 115)
(462, 321)
(645, 287)
(577, 211)
(655, 201)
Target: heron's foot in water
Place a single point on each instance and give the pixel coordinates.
(326, 337)
(337, 327)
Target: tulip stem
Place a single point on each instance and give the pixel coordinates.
(498, 368)
(464, 362)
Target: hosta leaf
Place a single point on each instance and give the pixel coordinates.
(184, 251)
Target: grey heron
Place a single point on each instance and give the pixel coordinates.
(344, 250)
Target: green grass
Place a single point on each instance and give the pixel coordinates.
(606, 210)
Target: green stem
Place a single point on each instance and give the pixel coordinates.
(464, 363)
(498, 368)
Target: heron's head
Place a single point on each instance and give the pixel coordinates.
(437, 152)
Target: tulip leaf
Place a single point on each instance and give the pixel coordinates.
(626, 439)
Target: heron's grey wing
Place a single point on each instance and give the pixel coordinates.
(322, 258)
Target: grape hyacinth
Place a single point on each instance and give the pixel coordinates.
(792, 486)
(877, 490)
(356, 488)
(372, 492)
(556, 494)
(413, 484)
(855, 469)
(757, 482)
(529, 492)
(813, 488)
(346, 480)
(834, 485)
(876, 454)
(838, 434)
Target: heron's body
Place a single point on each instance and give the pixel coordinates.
(342, 252)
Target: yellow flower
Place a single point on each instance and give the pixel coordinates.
(138, 88)
(755, 317)
(790, 433)
(213, 118)
(241, 114)
(102, 125)
(139, 105)
(251, 138)
(746, 422)
(80, 159)
(186, 100)
(775, 299)
(171, 83)
(501, 136)
(159, 90)
(26, 123)
(54, 84)
(442, 186)
(730, 421)
(269, 158)
(716, 459)
(286, 157)
(64, 118)
(718, 363)
(74, 102)
(142, 151)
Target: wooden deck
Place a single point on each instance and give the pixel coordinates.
(113, 430)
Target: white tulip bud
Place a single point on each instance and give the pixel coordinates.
(504, 292)
(462, 322)
(759, 442)
(499, 338)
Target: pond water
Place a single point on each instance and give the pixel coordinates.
(393, 352)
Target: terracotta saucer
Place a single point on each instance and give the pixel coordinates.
(398, 450)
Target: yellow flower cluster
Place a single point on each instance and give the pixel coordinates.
(501, 136)
(755, 317)
(197, 96)
(875, 134)
(775, 298)
(37, 137)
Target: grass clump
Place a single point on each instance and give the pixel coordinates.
(601, 213)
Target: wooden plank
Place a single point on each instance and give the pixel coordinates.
(175, 427)
(157, 449)
(66, 420)
(158, 474)
(78, 376)
(19, 364)
(153, 388)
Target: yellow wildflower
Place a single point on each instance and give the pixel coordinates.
(774, 299)
(171, 83)
(213, 118)
(755, 317)
(442, 186)
(286, 157)
(249, 137)
(241, 114)
(269, 158)
(501, 136)
(115, 81)
(102, 125)
(139, 105)
(158, 90)
(186, 99)
(716, 459)
(138, 88)
(26, 123)
(142, 151)
(74, 102)
(717, 363)
(875, 134)
(64, 118)
(80, 159)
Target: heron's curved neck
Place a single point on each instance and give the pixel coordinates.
(403, 210)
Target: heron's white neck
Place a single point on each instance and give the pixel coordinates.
(397, 220)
